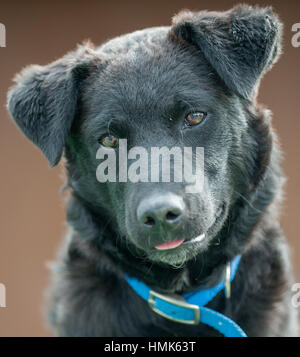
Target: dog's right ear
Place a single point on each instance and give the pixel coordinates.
(241, 44)
(44, 100)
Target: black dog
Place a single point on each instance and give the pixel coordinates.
(193, 84)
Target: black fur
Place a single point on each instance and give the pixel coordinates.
(43, 103)
(240, 44)
(131, 86)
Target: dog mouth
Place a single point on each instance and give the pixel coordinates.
(176, 243)
(177, 252)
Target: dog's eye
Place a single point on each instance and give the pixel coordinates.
(194, 118)
(109, 141)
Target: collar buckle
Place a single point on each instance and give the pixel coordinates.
(173, 309)
(227, 281)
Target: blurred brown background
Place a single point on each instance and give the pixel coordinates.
(32, 209)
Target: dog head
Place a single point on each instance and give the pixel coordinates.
(191, 85)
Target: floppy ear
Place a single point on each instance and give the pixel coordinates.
(241, 44)
(44, 100)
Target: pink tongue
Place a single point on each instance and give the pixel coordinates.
(169, 245)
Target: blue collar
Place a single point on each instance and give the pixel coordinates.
(189, 308)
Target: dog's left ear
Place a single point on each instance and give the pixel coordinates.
(240, 44)
(43, 102)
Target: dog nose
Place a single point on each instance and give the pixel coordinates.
(161, 210)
